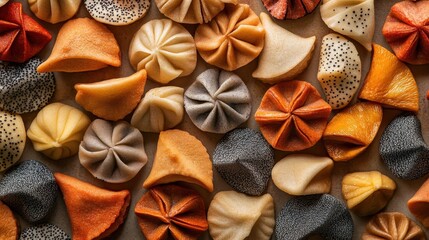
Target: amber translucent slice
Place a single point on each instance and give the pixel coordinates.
(8, 224)
(352, 130)
(390, 82)
(112, 99)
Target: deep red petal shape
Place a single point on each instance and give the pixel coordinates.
(21, 37)
(290, 9)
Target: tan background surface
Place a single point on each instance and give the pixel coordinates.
(307, 26)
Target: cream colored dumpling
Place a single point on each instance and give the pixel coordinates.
(3, 2)
(165, 49)
(191, 11)
(160, 109)
(57, 130)
(303, 174)
(355, 19)
(112, 152)
(54, 11)
(236, 216)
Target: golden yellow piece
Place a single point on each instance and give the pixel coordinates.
(180, 157)
(82, 44)
(367, 193)
(352, 130)
(58, 130)
(390, 82)
(112, 99)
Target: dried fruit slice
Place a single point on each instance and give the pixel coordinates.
(8, 224)
(407, 31)
(290, 9)
(296, 53)
(339, 70)
(112, 99)
(353, 18)
(352, 130)
(180, 157)
(390, 82)
(367, 193)
(94, 213)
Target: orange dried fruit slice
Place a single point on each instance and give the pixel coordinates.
(180, 157)
(352, 130)
(8, 224)
(419, 204)
(390, 82)
(112, 99)
(94, 213)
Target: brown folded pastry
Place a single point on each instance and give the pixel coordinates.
(94, 213)
(352, 130)
(112, 99)
(392, 225)
(419, 204)
(82, 44)
(8, 224)
(180, 157)
(232, 39)
(171, 211)
(292, 115)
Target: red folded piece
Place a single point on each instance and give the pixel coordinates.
(21, 37)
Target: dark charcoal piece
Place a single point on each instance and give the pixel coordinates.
(244, 160)
(45, 232)
(403, 149)
(30, 190)
(314, 215)
(23, 89)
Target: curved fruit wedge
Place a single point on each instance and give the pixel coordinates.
(352, 130)
(390, 82)
(296, 53)
(112, 99)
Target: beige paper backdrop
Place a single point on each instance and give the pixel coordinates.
(307, 26)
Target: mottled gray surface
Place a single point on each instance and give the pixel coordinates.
(314, 215)
(218, 101)
(44, 232)
(30, 190)
(244, 160)
(22, 88)
(403, 149)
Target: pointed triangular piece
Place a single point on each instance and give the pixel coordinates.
(82, 44)
(94, 213)
(390, 82)
(180, 157)
(112, 99)
(295, 52)
(352, 18)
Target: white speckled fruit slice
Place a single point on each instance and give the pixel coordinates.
(353, 18)
(339, 70)
(12, 139)
(117, 12)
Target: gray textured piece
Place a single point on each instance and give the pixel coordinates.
(23, 89)
(218, 101)
(112, 151)
(244, 160)
(30, 190)
(403, 149)
(314, 215)
(44, 232)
